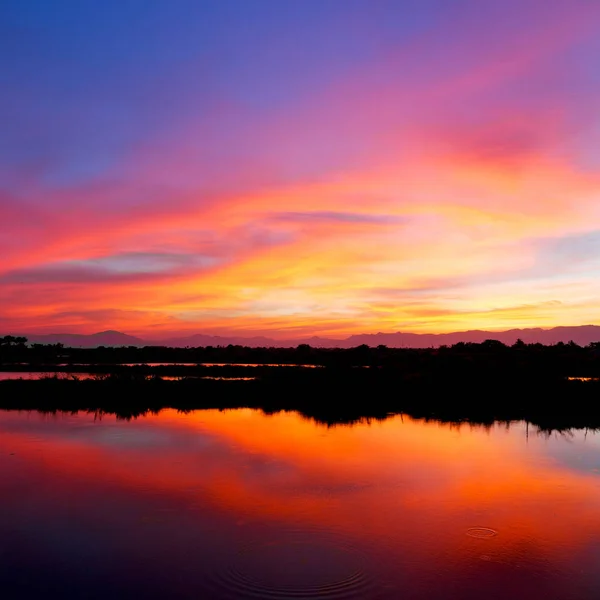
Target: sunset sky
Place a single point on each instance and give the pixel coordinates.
(298, 167)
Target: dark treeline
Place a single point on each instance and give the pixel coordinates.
(492, 358)
(479, 383)
(329, 395)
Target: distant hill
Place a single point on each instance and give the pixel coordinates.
(200, 339)
(581, 335)
(75, 340)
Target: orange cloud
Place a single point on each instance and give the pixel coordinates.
(428, 202)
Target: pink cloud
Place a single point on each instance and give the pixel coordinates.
(427, 176)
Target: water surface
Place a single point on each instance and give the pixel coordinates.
(239, 504)
(37, 375)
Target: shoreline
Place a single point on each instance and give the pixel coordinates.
(326, 397)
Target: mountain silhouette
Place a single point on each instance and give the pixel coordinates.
(581, 335)
(76, 340)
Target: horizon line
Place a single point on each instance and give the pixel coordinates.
(175, 335)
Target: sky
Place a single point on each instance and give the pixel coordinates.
(298, 167)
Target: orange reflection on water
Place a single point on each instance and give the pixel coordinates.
(409, 488)
(401, 465)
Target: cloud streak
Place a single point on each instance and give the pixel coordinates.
(404, 169)
(323, 216)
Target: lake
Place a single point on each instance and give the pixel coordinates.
(239, 504)
(99, 370)
(11, 375)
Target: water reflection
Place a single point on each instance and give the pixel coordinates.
(8, 375)
(96, 370)
(239, 504)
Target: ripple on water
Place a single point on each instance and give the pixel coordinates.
(297, 564)
(482, 533)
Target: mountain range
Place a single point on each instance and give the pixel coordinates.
(581, 335)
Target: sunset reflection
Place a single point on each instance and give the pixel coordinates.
(404, 491)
